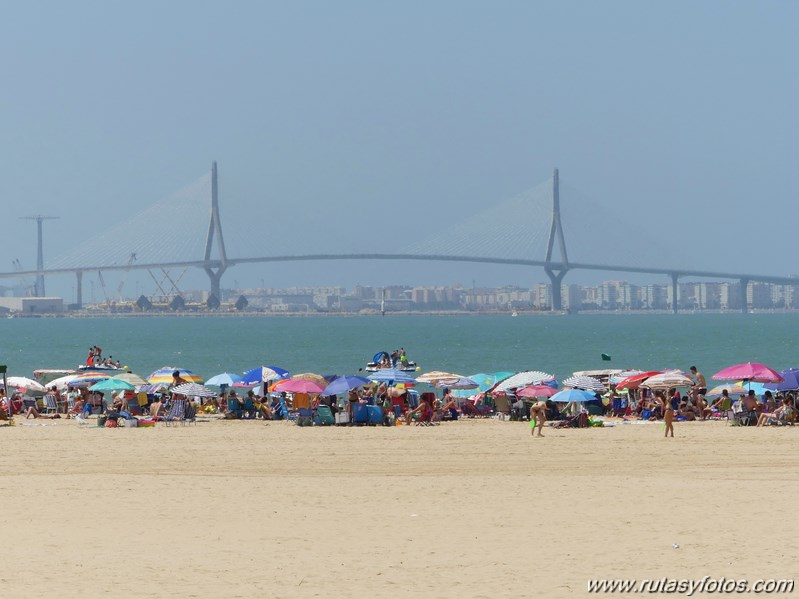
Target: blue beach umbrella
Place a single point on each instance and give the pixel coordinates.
(343, 384)
(790, 381)
(573, 396)
(264, 373)
(223, 380)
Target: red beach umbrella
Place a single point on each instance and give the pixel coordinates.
(634, 381)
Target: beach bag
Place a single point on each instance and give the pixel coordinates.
(111, 423)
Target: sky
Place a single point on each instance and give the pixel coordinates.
(349, 125)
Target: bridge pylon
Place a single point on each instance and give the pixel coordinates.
(556, 271)
(215, 268)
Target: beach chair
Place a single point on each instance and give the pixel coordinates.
(425, 417)
(324, 416)
(304, 417)
(234, 408)
(248, 408)
(502, 406)
(134, 407)
(288, 413)
(50, 404)
(29, 402)
(472, 410)
(176, 412)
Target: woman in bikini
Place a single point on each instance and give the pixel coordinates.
(668, 412)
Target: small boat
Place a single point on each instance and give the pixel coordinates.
(383, 360)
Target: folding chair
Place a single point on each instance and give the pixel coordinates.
(50, 404)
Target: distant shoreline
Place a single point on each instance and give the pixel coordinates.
(397, 313)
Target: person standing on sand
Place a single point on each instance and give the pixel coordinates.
(538, 416)
(698, 391)
(668, 413)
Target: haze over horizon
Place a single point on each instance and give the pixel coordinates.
(361, 124)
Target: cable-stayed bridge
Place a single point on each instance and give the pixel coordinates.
(184, 230)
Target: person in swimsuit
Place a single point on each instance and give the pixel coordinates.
(538, 416)
(668, 413)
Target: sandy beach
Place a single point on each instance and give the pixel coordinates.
(475, 508)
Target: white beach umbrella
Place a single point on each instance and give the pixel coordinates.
(671, 378)
(25, 382)
(524, 379)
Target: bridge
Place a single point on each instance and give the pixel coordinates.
(530, 234)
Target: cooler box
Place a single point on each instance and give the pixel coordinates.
(375, 414)
(360, 413)
(342, 418)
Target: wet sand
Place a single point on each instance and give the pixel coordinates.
(476, 508)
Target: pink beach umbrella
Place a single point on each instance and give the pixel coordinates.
(299, 386)
(751, 371)
(537, 391)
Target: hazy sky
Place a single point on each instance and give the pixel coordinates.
(368, 124)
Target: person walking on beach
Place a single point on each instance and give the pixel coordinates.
(538, 416)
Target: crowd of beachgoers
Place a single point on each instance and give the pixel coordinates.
(594, 398)
(390, 395)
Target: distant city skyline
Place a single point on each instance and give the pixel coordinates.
(331, 128)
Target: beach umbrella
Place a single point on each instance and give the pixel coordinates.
(224, 379)
(523, 379)
(264, 374)
(164, 375)
(573, 396)
(732, 389)
(670, 378)
(484, 382)
(459, 383)
(86, 379)
(790, 381)
(299, 386)
(389, 375)
(536, 391)
(434, 376)
(133, 379)
(617, 377)
(634, 380)
(750, 371)
(343, 384)
(310, 376)
(112, 384)
(193, 390)
(586, 383)
(26, 383)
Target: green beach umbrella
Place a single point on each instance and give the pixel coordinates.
(112, 384)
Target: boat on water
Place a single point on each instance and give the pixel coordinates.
(383, 359)
(101, 368)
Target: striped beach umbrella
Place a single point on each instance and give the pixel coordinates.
(586, 383)
(87, 378)
(164, 375)
(524, 379)
(193, 390)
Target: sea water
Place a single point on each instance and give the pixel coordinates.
(464, 344)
